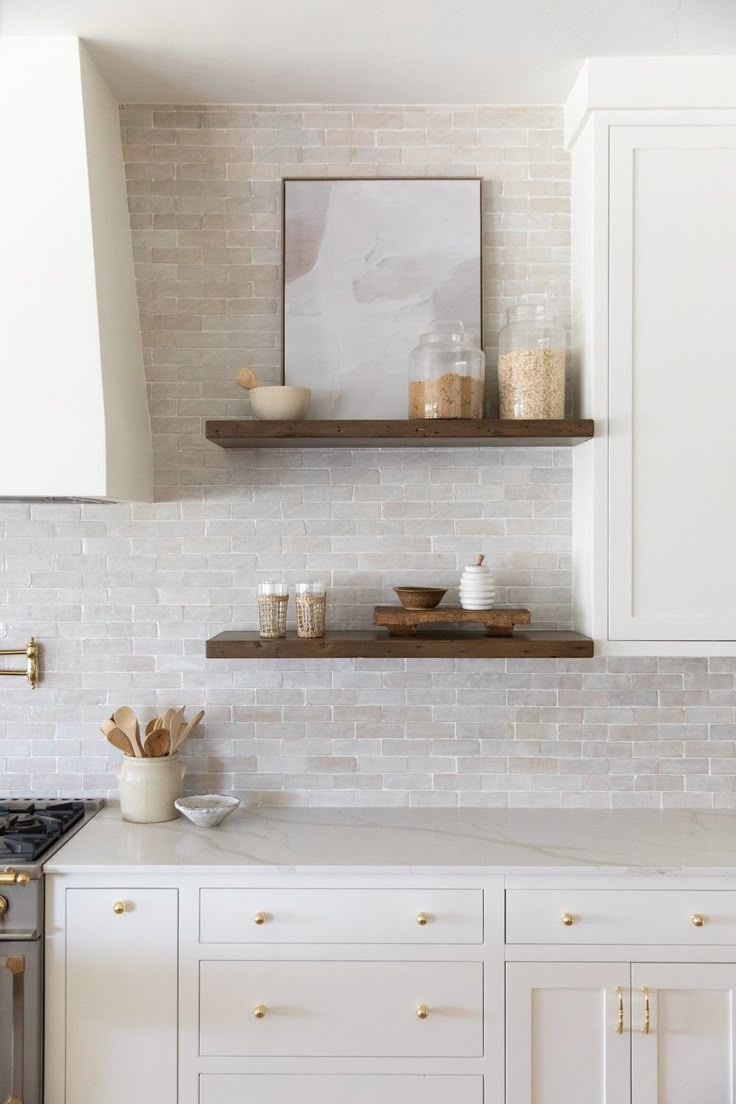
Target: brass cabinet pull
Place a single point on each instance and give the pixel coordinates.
(14, 877)
(259, 918)
(119, 908)
(647, 1011)
(259, 1011)
(568, 919)
(4, 906)
(422, 1011)
(620, 1017)
(422, 919)
(697, 920)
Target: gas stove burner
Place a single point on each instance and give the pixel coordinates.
(28, 828)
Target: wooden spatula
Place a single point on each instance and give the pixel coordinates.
(188, 729)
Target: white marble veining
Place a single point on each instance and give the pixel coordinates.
(312, 841)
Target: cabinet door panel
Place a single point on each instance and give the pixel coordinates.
(672, 445)
(338, 1089)
(562, 1043)
(688, 1054)
(121, 996)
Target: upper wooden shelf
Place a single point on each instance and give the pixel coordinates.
(450, 432)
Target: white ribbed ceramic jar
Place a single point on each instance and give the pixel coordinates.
(477, 586)
(149, 788)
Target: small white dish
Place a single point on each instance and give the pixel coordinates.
(280, 402)
(207, 810)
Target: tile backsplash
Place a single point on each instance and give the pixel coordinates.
(123, 597)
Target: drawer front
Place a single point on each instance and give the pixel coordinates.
(337, 1089)
(269, 916)
(341, 1009)
(688, 917)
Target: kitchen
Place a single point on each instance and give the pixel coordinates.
(438, 810)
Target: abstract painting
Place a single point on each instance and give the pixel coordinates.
(368, 264)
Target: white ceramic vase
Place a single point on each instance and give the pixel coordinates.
(149, 788)
(477, 588)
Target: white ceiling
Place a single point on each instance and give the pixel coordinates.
(367, 51)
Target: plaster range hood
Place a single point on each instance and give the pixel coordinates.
(74, 420)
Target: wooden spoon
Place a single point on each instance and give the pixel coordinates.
(158, 743)
(125, 719)
(118, 739)
(192, 724)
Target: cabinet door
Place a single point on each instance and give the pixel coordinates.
(672, 388)
(562, 1033)
(688, 1053)
(121, 996)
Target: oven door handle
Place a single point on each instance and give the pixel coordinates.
(16, 965)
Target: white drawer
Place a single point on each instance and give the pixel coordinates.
(341, 1009)
(268, 916)
(621, 916)
(235, 1088)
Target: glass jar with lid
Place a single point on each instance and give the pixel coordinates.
(531, 363)
(447, 374)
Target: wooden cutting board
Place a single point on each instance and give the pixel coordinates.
(499, 621)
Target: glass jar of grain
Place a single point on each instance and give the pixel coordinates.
(531, 364)
(447, 373)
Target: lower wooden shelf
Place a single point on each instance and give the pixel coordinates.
(372, 644)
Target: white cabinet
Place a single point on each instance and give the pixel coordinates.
(120, 1038)
(620, 1033)
(565, 1036)
(654, 236)
(689, 1051)
(672, 391)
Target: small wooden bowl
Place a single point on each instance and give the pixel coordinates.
(419, 598)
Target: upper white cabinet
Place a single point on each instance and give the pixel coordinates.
(654, 236)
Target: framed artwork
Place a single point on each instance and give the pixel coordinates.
(368, 264)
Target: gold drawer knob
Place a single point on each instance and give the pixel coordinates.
(259, 1011)
(119, 908)
(259, 918)
(4, 906)
(422, 919)
(14, 877)
(422, 1011)
(568, 919)
(697, 920)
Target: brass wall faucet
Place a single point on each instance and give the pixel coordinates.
(31, 670)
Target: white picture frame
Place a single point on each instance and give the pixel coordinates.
(367, 266)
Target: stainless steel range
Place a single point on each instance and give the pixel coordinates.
(30, 832)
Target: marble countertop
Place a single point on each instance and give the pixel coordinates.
(382, 841)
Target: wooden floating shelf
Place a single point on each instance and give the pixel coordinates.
(432, 433)
(432, 644)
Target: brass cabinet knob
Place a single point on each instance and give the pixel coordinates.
(259, 1011)
(4, 906)
(422, 919)
(119, 908)
(697, 920)
(568, 919)
(14, 877)
(259, 918)
(422, 1011)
